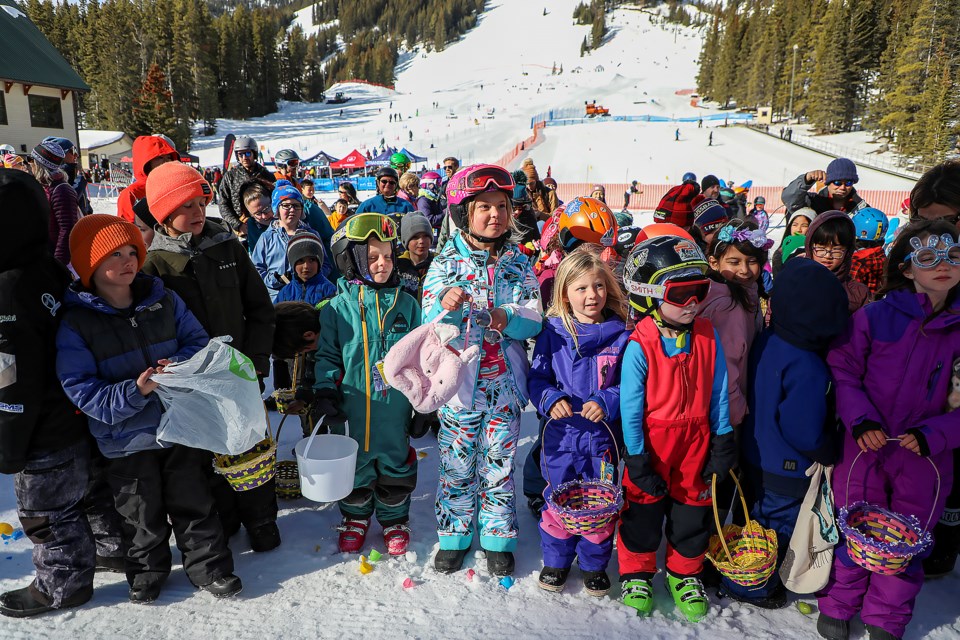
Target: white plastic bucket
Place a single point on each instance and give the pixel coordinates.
(327, 464)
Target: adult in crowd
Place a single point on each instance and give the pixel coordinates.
(43, 439)
(348, 192)
(386, 201)
(837, 194)
(64, 206)
(710, 187)
(149, 152)
(247, 170)
(544, 199)
(74, 174)
(936, 196)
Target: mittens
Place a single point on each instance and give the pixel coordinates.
(641, 473)
(722, 457)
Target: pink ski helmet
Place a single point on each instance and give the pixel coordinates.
(468, 182)
(431, 182)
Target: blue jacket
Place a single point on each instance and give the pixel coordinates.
(587, 371)
(101, 351)
(270, 257)
(379, 204)
(254, 231)
(313, 291)
(791, 419)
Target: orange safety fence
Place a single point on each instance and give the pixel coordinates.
(521, 147)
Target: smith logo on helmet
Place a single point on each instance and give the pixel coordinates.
(646, 290)
(687, 250)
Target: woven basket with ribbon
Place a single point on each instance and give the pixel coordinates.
(586, 506)
(745, 555)
(880, 540)
(252, 468)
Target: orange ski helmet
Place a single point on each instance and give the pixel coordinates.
(585, 220)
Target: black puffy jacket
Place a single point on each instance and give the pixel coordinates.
(231, 187)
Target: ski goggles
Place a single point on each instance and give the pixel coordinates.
(484, 177)
(929, 256)
(360, 227)
(680, 293)
(843, 183)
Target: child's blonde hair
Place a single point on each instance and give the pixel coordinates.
(583, 260)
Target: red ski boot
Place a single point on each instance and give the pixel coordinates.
(397, 538)
(352, 535)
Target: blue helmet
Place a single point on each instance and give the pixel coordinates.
(689, 176)
(870, 224)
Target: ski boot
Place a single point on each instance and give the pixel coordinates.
(638, 594)
(689, 596)
(353, 533)
(397, 538)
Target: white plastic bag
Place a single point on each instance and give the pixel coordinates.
(212, 401)
(806, 565)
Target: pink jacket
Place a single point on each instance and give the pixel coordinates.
(737, 328)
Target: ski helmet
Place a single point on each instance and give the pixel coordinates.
(431, 181)
(6, 148)
(654, 262)
(629, 236)
(585, 220)
(470, 181)
(400, 162)
(285, 156)
(759, 200)
(245, 143)
(388, 172)
(349, 247)
(689, 176)
(870, 224)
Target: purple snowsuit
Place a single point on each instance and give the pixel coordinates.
(573, 448)
(892, 366)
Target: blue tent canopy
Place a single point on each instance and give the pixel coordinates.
(413, 157)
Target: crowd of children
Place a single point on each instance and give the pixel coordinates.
(666, 360)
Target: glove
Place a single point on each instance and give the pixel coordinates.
(641, 473)
(722, 457)
(326, 407)
(421, 424)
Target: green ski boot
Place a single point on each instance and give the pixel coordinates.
(638, 594)
(689, 596)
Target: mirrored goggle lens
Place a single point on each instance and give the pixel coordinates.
(482, 178)
(683, 293)
(362, 226)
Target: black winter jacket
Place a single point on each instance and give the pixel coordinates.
(35, 414)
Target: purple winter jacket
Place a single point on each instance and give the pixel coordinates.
(431, 209)
(893, 365)
(64, 213)
(589, 372)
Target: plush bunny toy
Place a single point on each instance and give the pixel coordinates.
(424, 368)
(953, 399)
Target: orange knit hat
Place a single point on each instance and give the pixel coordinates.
(170, 185)
(95, 237)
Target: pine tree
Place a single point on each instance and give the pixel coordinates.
(830, 95)
(708, 58)
(153, 109)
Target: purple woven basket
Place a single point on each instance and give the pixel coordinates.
(585, 506)
(881, 540)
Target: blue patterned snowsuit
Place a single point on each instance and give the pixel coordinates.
(480, 426)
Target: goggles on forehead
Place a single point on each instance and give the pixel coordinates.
(680, 292)
(361, 226)
(929, 256)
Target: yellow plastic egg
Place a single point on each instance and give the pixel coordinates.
(5, 529)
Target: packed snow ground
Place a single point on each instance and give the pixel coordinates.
(305, 589)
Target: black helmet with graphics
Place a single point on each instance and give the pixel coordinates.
(654, 263)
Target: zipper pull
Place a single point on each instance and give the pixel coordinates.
(933, 376)
(133, 322)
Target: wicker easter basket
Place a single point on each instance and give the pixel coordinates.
(880, 540)
(745, 555)
(252, 468)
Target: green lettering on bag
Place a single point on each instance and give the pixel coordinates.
(242, 366)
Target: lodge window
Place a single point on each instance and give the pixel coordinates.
(45, 112)
(3, 109)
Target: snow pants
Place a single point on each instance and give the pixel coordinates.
(106, 523)
(50, 492)
(903, 482)
(382, 486)
(571, 452)
(477, 448)
(678, 454)
(252, 509)
(150, 486)
(533, 482)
